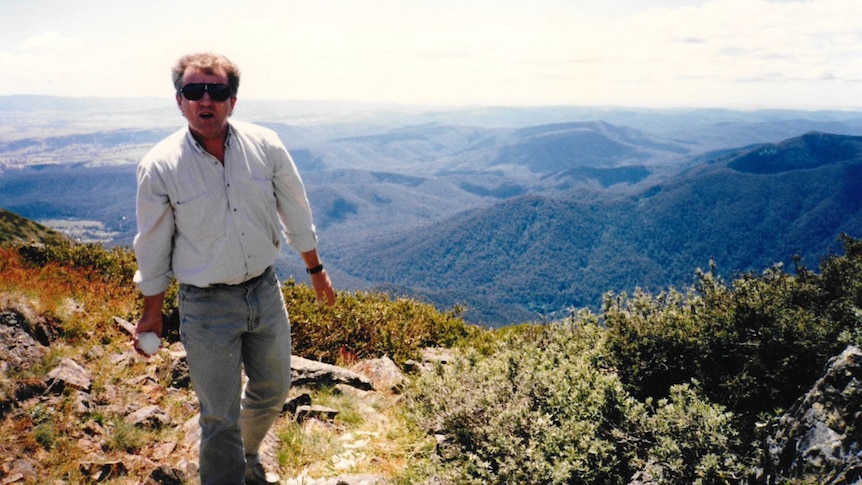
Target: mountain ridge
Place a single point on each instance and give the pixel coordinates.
(566, 251)
(631, 181)
(15, 229)
(805, 152)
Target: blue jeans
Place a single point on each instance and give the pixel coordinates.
(226, 329)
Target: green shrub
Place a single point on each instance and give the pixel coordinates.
(545, 408)
(540, 409)
(125, 437)
(117, 263)
(755, 345)
(685, 439)
(367, 325)
(361, 325)
(767, 340)
(45, 435)
(841, 283)
(749, 345)
(654, 341)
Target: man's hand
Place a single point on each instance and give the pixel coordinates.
(319, 279)
(323, 288)
(151, 320)
(149, 323)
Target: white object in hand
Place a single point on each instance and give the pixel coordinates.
(149, 342)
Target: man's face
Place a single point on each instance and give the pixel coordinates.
(207, 118)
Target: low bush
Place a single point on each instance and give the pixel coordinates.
(545, 408)
(662, 387)
(117, 263)
(368, 325)
(539, 409)
(361, 325)
(755, 345)
(684, 439)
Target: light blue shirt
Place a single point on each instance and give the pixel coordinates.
(205, 223)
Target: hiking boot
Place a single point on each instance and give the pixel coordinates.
(256, 475)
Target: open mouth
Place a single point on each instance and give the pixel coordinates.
(207, 116)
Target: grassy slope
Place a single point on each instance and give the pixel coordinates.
(16, 229)
(60, 441)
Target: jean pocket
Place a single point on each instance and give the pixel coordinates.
(192, 294)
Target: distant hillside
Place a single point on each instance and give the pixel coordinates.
(16, 229)
(593, 197)
(534, 255)
(564, 146)
(437, 149)
(407, 176)
(805, 152)
(75, 192)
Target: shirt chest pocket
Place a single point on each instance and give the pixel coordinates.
(197, 218)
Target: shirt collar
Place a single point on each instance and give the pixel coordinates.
(197, 146)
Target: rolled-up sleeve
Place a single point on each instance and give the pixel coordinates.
(154, 242)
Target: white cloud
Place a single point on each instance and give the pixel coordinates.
(38, 62)
(677, 52)
(703, 54)
(50, 42)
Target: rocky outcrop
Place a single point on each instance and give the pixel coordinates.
(383, 372)
(819, 439)
(18, 347)
(25, 340)
(307, 372)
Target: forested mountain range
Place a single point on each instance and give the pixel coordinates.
(519, 214)
(533, 255)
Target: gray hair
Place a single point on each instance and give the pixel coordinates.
(208, 62)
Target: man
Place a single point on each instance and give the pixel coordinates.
(209, 203)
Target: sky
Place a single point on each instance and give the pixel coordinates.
(639, 53)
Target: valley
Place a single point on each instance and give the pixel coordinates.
(519, 214)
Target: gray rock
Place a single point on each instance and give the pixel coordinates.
(307, 372)
(70, 373)
(18, 349)
(383, 372)
(322, 413)
(102, 470)
(24, 317)
(292, 404)
(819, 439)
(149, 417)
(167, 475)
(22, 470)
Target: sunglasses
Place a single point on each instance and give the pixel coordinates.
(195, 91)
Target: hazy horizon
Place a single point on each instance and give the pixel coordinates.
(737, 54)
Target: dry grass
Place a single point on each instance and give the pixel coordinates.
(370, 435)
(83, 298)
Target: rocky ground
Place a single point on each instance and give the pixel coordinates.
(88, 409)
(125, 419)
